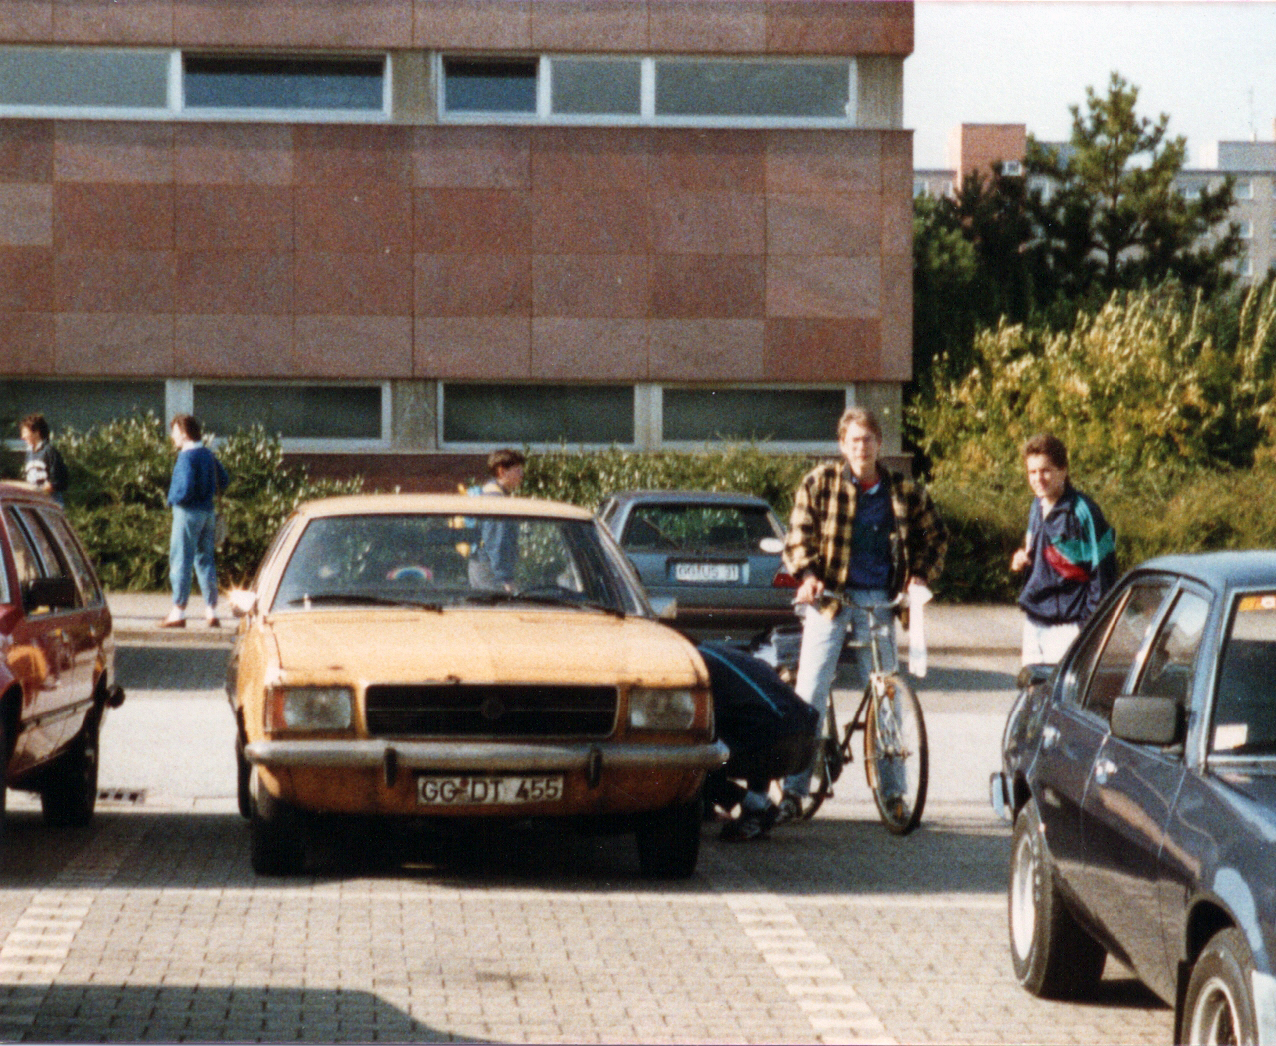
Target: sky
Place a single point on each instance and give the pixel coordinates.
(1209, 64)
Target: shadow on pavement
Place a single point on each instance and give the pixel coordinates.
(171, 667)
(964, 679)
(827, 855)
(169, 1013)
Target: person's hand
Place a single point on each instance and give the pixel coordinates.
(810, 590)
(1019, 561)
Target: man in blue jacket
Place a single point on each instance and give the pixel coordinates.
(198, 478)
(1069, 552)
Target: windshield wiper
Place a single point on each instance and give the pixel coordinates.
(361, 599)
(494, 596)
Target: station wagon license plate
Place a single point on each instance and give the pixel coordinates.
(706, 572)
(487, 791)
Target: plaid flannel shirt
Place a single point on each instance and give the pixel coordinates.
(819, 539)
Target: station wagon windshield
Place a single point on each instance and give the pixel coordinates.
(440, 561)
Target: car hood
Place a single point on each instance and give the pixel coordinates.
(483, 646)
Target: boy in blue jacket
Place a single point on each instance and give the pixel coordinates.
(1069, 552)
(198, 478)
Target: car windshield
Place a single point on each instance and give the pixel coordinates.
(438, 561)
(1245, 707)
(673, 527)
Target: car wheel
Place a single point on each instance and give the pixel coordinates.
(278, 834)
(669, 841)
(1053, 956)
(68, 796)
(1218, 1006)
(243, 779)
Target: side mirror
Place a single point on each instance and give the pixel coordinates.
(54, 593)
(666, 607)
(1033, 675)
(243, 601)
(1147, 720)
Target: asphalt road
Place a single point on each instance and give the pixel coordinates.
(150, 925)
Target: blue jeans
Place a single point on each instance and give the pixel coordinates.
(191, 544)
(822, 641)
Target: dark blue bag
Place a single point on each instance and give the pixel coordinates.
(769, 729)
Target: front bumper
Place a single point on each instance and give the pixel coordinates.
(490, 757)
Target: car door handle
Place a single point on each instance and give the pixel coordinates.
(1049, 736)
(1104, 769)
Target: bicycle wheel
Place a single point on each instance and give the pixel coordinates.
(827, 767)
(895, 755)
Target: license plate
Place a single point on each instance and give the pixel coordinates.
(706, 572)
(487, 791)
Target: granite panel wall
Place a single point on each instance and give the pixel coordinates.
(454, 252)
(718, 26)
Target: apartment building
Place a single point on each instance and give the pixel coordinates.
(403, 232)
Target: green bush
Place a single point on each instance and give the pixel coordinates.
(119, 475)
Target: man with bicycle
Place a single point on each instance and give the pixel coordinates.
(858, 535)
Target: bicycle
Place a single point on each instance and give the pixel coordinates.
(896, 759)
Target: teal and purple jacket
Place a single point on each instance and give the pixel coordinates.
(1073, 553)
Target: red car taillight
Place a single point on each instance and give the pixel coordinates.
(783, 579)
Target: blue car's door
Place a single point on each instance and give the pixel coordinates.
(1132, 793)
(1071, 738)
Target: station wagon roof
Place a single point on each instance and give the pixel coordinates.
(1221, 570)
(674, 497)
(440, 504)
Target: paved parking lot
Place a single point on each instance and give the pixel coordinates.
(151, 925)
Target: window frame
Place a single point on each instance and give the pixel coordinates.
(779, 446)
(100, 112)
(1170, 585)
(1221, 634)
(543, 447)
(304, 444)
(647, 115)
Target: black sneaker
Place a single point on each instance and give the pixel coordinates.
(750, 825)
(790, 808)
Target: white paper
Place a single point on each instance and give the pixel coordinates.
(918, 596)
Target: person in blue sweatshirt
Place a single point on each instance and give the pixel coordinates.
(198, 477)
(1069, 553)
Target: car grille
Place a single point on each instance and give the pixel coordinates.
(467, 710)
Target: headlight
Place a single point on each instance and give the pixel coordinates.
(651, 709)
(311, 708)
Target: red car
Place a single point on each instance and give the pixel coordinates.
(57, 658)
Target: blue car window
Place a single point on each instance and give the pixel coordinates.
(1124, 642)
(1171, 662)
(1244, 711)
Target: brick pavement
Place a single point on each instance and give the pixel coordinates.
(151, 927)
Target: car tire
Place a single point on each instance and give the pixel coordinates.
(1218, 1006)
(68, 795)
(243, 773)
(278, 835)
(1053, 956)
(669, 841)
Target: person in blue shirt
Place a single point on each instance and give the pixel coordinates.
(198, 477)
(1069, 554)
(493, 563)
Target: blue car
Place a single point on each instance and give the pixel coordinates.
(716, 554)
(1140, 776)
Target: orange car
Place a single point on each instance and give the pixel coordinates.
(57, 658)
(453, 656)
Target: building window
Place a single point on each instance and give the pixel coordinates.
(920, 188)
(770, 415)
(1246, 265)
(538, 414)
(1243, 190)
(283, 83)
(1011, 169)
(704, 87)
(82, 78)
(489, 85)
(599, 88)
(1191, 192)
(596, 87)
(292, 412)
(75, 404)
(1246, 229)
